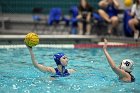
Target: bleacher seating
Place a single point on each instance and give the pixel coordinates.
(20, 13)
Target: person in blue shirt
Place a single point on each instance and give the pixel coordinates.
(61, 61)
(109, 12)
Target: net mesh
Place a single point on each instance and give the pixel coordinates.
(27, 6)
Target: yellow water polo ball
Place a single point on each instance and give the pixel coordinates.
(31, 39)
(128, 3)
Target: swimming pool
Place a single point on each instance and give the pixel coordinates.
(18, 75)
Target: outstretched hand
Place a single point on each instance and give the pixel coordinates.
(105, 44)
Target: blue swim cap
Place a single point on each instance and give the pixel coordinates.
(57, 58)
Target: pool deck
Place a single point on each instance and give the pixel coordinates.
(69, 41)
(93, 38)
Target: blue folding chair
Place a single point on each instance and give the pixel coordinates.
(73, 20)
(36, 18)
(74, 13)
(55, 15)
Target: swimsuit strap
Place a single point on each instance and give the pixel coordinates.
(132, 77)
(58, 73)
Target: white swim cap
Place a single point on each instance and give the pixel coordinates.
(127, 65)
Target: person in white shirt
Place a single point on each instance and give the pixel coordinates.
(135, 22)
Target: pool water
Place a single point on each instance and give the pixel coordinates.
(93, 73)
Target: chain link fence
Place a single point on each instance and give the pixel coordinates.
(43, 6)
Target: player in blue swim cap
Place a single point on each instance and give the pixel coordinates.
(61, 62)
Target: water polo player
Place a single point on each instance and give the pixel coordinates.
(125, 68)
(61, 62)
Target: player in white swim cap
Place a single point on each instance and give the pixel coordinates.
(125, 68)
(127, 65)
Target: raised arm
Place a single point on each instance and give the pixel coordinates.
(39, 66)
(116, 3)
(103, 3)
(111, 62)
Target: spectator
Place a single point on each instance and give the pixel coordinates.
(135, 22)
(84, 17)
(109, 13)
